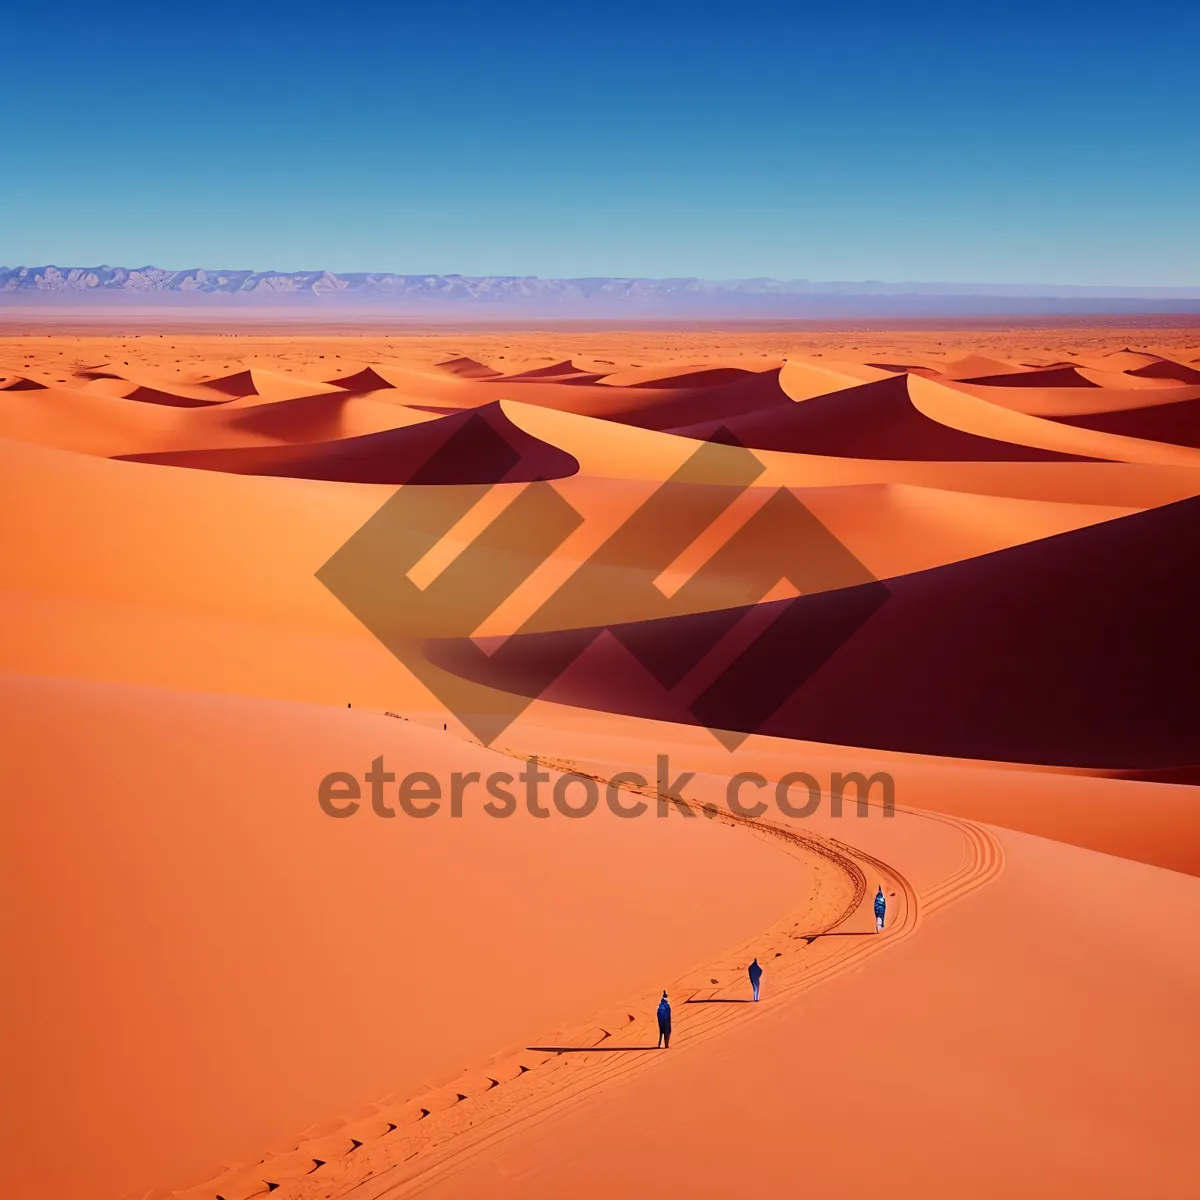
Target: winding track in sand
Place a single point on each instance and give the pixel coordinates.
(406, 1146)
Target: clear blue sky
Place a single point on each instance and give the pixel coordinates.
(1019, 142)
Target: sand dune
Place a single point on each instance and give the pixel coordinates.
(951, 1031)
(20, 384)
(560, 372)
(255, 381)
(368, 379)
(950, 661)
(964, 558)
(873, 420)
(1056, 402)
(253, 921)
(1177, 422)
(480, 446)
(1167, 370)
(467, 368)
(1064, 376)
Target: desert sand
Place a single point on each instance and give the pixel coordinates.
(966, 557)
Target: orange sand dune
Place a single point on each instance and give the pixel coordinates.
(198, 889)
(467, 368)
(874, 420)
(974, 365)
(480, 446)
(648, 408)
(952, 1030)
(1165, 369)
(950, 405)
(1151, 822)
(1176, 422)
(614, 451)
(565, 372)
(1064, 376)
(951, 661)
(254, 381)
(217, 987)
(677, 374)
(92, 423)
(1056, 402)
(369, 379)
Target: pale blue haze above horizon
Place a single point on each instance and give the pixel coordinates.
(1052, 143)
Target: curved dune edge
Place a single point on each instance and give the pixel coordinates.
(1176, 422)
(949, 661)
(957, 410)
(884, 420)
(405, 1142)
(477, 446)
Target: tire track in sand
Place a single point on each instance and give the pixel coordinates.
(403, 1145)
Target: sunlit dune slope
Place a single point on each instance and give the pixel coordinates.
(203, 963)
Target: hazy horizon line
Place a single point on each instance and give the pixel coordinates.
(1024, 287)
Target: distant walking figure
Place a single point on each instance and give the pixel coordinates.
(664, 1023)
(880, 909)
(755, 977)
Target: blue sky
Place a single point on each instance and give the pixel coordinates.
(1043, 143)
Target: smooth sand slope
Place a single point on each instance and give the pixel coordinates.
(999, 1051)
(204, 963)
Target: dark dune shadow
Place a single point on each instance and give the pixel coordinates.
(475, 446)
(241, 383)
(149, 395)
(713, 377)
(1165, 368)
(468, 368)
(1061, 375)
(1069, 651)
(366, 380)
(659, 408)
(1176, 422)
(872, 420)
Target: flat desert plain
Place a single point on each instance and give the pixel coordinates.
(677, 567)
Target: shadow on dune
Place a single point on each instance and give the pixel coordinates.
(560, 372)
(1177, 422)
(1066, 375)
(149, 395)
(660, 407)
(873, 420)
(366, 380)
(477, 446)
(304, 419)
(1165, 368)
(714, 377)
(467, 368)
(1079, 650)
(241, 383)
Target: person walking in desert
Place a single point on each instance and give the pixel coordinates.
(664, 1023)
(880, 909)
(755, 977)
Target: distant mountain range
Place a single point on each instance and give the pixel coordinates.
(480, 296)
